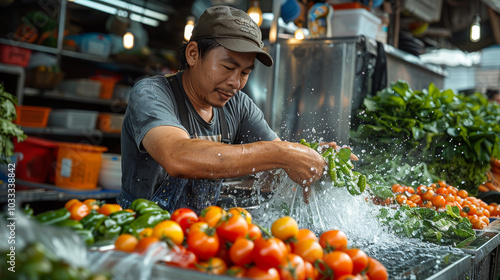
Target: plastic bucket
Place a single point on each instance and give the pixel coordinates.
(37, 161)
(78, 165)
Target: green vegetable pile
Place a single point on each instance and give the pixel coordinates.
(36, 262)
(340, 168)
(96, 227)
(7, 128)
(444, 228)
(418, 136)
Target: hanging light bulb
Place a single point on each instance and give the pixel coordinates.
(128, 40)
(475, 29)
(301, 33)
(255, 12)
(188, 30)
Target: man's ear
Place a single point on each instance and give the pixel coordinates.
(192, 53)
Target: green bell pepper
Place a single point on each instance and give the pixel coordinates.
(74, 224)
(86, 236)
(148, 220)
(108, 230)
(53, 216)
(93, 220)
(122, 217)
(143, 206)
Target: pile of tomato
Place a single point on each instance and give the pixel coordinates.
(438, 195)
(228, 242)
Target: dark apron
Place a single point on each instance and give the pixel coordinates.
(175, 193)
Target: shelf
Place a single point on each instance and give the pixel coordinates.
(30, 191)
(94, 133)
(55, 94)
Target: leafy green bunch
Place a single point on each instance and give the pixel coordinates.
(7, 128)
(454, 135)
(340, 168)
(444, 228)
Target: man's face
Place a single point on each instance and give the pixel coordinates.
(220, 74)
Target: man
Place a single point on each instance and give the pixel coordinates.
(171, 138)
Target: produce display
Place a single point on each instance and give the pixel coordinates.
(218, 241)
(427, 135)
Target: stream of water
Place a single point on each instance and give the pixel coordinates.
(330, 207)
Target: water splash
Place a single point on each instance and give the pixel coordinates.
(331, 207)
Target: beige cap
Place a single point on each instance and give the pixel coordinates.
(233, 29)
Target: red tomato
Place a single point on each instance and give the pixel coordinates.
(236, 271)
(333, 239)
(232, 226)
(182, 258)
(169, 229)
(215, 266)
(309, 250)
(292, 268)
(339, 262)
(376, 271)
(253, 232)
(184, 217)
(285, 228)
(359, 259)
(204, 243)
(212, 215)
(255, 272)
(267, 253)
(240, 252)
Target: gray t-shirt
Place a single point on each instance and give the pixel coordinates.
(152, 104)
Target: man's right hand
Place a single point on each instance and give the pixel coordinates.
(305, 164)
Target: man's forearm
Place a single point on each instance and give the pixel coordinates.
(195, 158)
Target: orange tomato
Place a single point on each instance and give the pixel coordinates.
(214, 266)
(285, 228)
(91, 203)
(146, 232)
(243, 212)
(359, 259)
(146, 242)
(255, 272)
(442, 191)
(463, 193)
(253, 232)
(126, 242)
(292, 268)
(240, 252)
(71, 202)
(438, 201)
(416, 199)
(309, 249)
(236, 271)
(333, 239)
(109, 208)
(428, 195)
(170, 230)
(78, 210)
(212, 215)
(401, 198)
(339, 262)
(376, 271)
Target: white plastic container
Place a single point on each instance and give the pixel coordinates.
(73, 119)
(355, 22)
(110, 174)
(81, 87)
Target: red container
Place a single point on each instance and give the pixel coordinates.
(38, 159)
(14, 55)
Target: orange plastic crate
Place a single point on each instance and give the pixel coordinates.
(32, 116)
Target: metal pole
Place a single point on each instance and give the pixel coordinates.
(273, 31)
